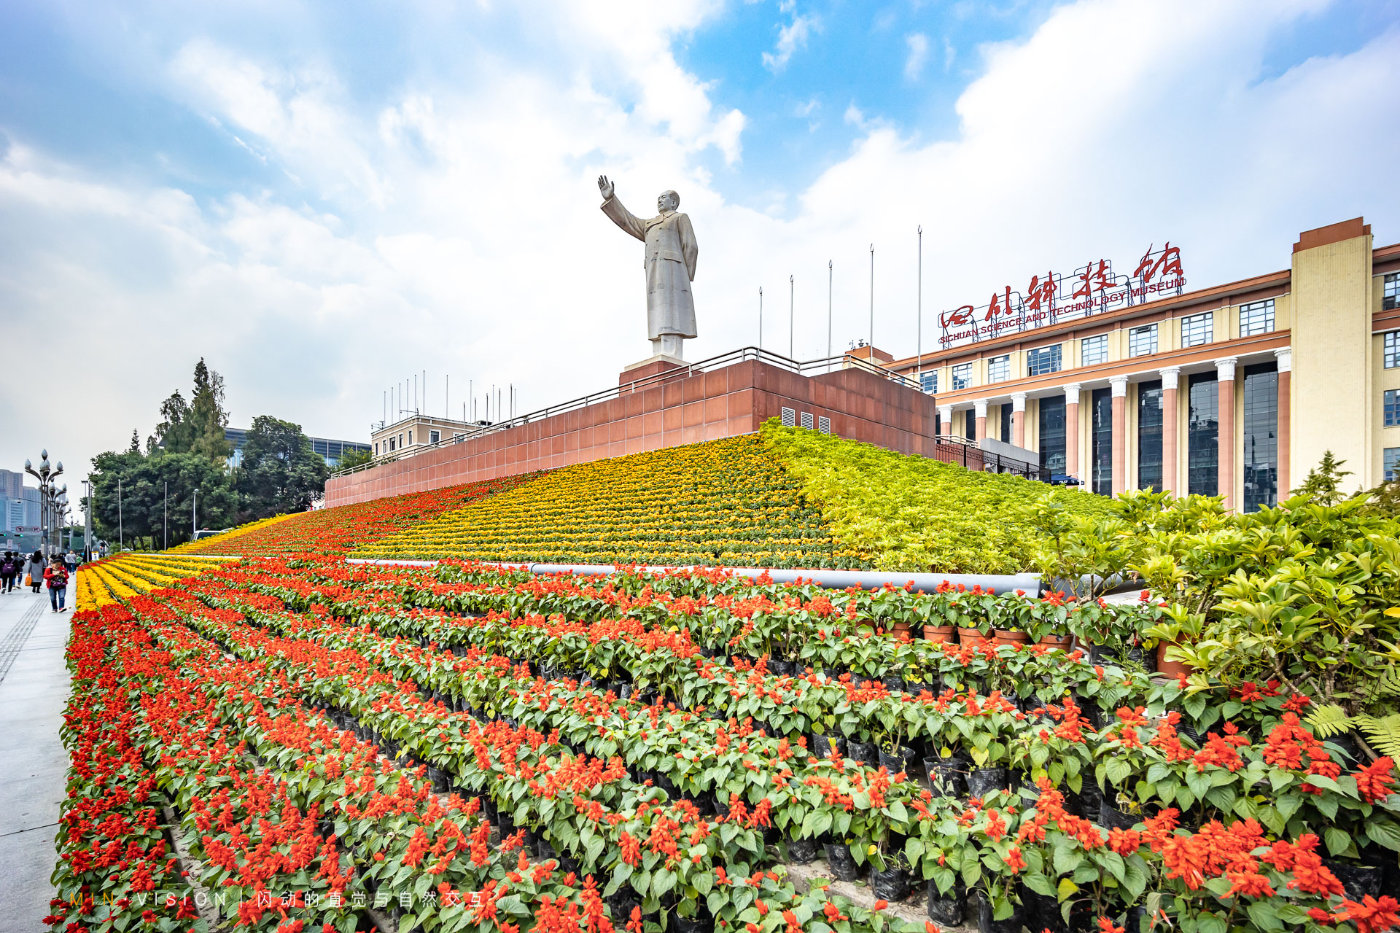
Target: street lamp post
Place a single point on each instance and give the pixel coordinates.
(47, 494)
(194, 515)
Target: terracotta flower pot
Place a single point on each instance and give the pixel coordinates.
(1170, 669)
(972, 636)
(1007, 636)
(941, 633)
(901, 631)
(1057, 641)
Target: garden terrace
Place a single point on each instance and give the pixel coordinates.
(721, 503)
(343, 528)
(917, 514)
(681, 737)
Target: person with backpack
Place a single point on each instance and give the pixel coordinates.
(36, 571)
(56, 577)
(9, 569)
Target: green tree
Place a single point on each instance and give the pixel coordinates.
(143, 503)
(197, 426)
(354, 458)
(1323, 483)
(280, 472)
(173, 433)
(207, 417)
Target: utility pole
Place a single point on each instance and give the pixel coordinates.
(872, 302)
(760, 317)
(194, 515)
(165, 517)
(919, 367)
(829, 273)
(87, 522)
(121, 537)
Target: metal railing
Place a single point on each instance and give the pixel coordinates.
(747, 354)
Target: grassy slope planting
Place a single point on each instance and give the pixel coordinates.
(342, 528)
(910, 513)
(724, 502)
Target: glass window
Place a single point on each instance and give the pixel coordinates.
(1257, 317)
(1260, 436)
(410, 437)
(1392, 349)
(962, 376)
(1196, 329)
(1052, 433)
(1149, 434)
(1391, 408)
(1101, 436)
(1390, 291)
(1202, 436)
(970, 424)
(1043, 360)
(999, 368)
(1093, 350)
(1005, 424)
(1392, 464)
(929, 381)
(1142, 340)
(434, 437)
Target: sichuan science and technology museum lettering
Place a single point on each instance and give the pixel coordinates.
(1092, 289)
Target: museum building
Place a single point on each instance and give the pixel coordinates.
(1235, 390)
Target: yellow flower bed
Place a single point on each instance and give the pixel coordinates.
(213, 541)
(724, 502)
(118, 579)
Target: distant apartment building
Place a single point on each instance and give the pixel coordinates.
(19, 504)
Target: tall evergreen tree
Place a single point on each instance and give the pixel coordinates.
(173, 433)
(208, 417)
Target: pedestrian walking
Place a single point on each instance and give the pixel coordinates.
(70, 561)
(36, 571)
(9, 569)
(56, 577)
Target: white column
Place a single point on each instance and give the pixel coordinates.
(1072, 430)
(1225, 438)
(1170, 456)
(979, 409)
(1285, 418)
(945, 420)
(1119, 386)
(1018, 419)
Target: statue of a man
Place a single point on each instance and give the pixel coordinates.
(670, 263)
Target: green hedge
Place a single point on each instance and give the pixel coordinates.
(915, 514)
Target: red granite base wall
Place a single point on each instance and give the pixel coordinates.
(706, 406)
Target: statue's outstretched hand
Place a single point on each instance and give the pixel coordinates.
(605, 187)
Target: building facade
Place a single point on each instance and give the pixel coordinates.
(1235, 390)
(416, 433)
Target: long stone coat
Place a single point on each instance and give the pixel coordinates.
(671, 252)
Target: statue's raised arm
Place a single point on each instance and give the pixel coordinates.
(670, 257)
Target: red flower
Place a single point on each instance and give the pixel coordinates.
(1376, 781)
(1371, 915)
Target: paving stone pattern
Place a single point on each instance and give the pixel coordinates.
(33, 691)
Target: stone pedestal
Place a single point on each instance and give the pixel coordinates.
(651, 366)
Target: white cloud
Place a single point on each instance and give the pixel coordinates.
(792, 38)
(918, 55)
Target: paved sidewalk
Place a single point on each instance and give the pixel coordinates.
(33, 691)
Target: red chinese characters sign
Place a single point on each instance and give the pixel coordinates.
(1091, 289)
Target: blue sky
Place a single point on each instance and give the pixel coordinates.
(323, 198)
